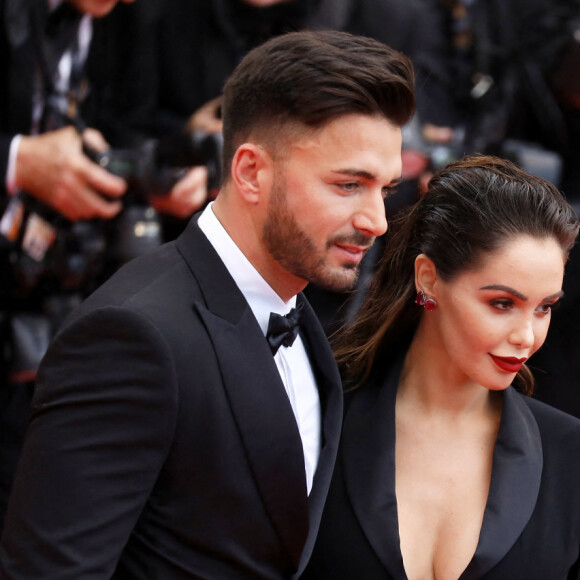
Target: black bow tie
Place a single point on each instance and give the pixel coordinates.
(282, 330)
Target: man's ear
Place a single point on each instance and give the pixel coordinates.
(425, 275)
(252, 169)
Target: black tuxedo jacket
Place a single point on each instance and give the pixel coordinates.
(120, 56)
(162, 444)
(531, 525)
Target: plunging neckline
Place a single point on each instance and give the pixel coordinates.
(370, 476)
(442, 478)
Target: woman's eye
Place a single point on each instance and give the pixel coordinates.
(502, 304)
(389, 190)
(548, 307)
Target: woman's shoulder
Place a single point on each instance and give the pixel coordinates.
(556, 426)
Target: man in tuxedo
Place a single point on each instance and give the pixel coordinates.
(187, 415)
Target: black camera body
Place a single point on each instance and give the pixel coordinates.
(154, 167)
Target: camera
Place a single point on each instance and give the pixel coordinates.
(154, 167)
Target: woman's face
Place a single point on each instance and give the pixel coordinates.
(493, 318)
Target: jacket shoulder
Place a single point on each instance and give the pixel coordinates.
(559, 430)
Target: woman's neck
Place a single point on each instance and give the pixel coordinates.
(434, 386)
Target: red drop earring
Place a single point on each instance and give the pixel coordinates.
(427, 303)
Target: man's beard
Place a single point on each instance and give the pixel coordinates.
(296, 252)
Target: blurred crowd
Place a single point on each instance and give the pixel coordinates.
(110, 139)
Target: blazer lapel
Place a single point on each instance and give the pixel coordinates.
(515, 484)
(368, 464)
(255, 391)
(330, 393)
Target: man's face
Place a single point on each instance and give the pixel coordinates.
(96, 8)
(326, 204)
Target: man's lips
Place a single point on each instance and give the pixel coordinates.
(509, 364)
(354, 252)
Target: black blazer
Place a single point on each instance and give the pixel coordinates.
(531, 525)
(162, 444)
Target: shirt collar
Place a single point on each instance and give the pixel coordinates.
(259, 294)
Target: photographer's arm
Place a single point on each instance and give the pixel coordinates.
(53, 168)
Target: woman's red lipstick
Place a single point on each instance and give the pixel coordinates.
(509, 364)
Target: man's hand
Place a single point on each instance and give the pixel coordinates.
(53, 168)
(187, 196)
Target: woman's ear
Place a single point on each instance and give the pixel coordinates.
(425, 275)
(252, 169)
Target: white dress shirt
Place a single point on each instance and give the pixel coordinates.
(292, 362)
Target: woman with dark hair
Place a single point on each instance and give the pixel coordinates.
(447, 469)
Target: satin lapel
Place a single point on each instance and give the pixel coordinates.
(515, 484)
(368, 463)
(255, 391)
(330, 392)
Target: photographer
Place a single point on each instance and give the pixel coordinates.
(491, 82)
(73, 79)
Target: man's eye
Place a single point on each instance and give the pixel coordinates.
(350, 186)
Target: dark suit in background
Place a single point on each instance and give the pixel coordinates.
(202, 41)
(118, 93)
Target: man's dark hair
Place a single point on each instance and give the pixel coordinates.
(310, 78)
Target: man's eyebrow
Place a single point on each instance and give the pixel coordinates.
(519, 294)
(364, 174)
(355, 173)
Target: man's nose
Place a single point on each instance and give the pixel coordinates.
(371, 217)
